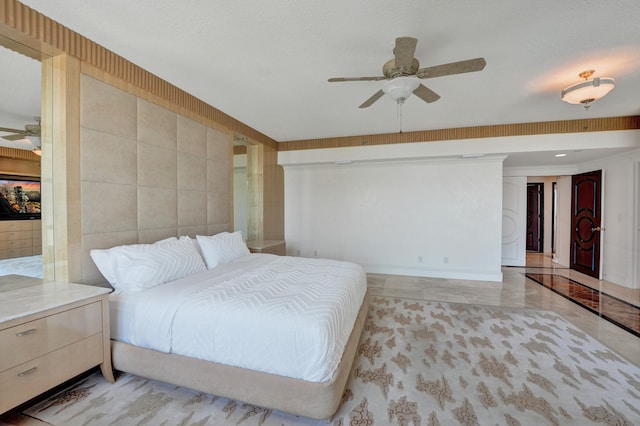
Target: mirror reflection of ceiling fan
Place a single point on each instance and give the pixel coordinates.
(403, 74)
(27, 139)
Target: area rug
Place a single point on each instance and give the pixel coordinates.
(418, 363)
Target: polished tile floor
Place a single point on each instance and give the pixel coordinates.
(516, 291)
(620, 312)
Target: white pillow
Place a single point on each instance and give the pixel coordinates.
(174, 259)
(102, 259)
(143, 266)
(222, 248)
(194, 242)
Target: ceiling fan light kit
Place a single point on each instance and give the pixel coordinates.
(588, 91)
(400, 88)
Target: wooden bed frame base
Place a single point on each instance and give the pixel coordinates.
(295, 396)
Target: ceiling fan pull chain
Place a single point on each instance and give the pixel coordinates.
(399, 112)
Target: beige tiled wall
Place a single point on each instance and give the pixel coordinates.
(147, 173)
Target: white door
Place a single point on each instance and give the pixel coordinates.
(514, 220)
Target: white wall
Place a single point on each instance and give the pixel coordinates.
(619, 216)
(439, 218)
(382, 218)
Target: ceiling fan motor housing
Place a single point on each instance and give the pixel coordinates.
(390, 70)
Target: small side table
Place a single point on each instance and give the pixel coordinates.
(50, 333)
(268, 246)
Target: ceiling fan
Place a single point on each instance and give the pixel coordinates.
(29, 130)
(28, 139)
(403, 73)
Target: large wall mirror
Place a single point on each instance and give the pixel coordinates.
(26, 184)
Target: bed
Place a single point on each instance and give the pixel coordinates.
(274, 331)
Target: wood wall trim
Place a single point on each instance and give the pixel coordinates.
(19, 154)
(519, 129)
(38, 31)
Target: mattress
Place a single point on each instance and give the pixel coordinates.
(283, 315)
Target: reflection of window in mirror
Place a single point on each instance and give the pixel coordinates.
(20, 165)
(247, 200)
(240, 190)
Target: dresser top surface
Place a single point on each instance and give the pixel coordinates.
(21, 302)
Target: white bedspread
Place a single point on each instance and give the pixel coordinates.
(283, 315)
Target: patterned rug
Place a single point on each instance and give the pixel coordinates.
(418, 363)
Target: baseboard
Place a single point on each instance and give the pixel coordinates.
(489, 278)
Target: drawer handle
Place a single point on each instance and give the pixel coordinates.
(27, 372)
(24, 333)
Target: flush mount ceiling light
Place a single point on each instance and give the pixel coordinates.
(589, 90)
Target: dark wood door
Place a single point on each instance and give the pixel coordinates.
(535, 197)
(586, 222)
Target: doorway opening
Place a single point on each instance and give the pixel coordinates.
(535, 217)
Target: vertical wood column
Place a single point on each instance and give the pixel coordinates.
(64, 233)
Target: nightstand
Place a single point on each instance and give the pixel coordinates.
(268, 246)
(50, 333)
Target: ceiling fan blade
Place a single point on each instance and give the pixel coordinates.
(16, 137)
(8, 130)
(426, 94)
(338, 79)
(372, 99)
(404, 51)
(470, 65)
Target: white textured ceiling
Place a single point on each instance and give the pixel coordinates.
(266, 63)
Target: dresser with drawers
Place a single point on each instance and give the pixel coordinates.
(50, 333)
(20, 238)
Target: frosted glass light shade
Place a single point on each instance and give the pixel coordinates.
(400, 88)
(588, 91)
